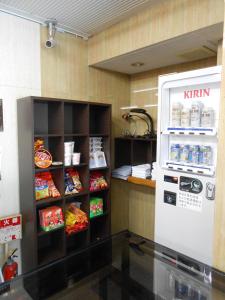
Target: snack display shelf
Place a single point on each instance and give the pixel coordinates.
(98, 135)
(76, 195)
(48, 169)
(99, 216)
(100, 168)
(100, 190)
(77, 232)
(42, 232)
(47, 201)
(190, 131)
(76, 166)
(190, 168)
(76, 134)
(43, 135)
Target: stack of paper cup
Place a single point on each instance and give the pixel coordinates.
(76, 158)
(68, 152)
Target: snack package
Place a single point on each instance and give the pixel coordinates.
(44, 186)
(38, 144)
(72, 182)
(96, 207)
(51, 218)
(97, 181)
(75, 219)
(41, 187)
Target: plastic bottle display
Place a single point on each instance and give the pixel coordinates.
(176, 114)
(192, 154)
(195, 116)
(207, 117)
(196, 109)
(185, 117)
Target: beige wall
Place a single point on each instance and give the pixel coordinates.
(163, 21)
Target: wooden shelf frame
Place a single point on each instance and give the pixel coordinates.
(57, 121)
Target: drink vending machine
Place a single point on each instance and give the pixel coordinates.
(188, 115)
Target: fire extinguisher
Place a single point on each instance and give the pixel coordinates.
(10, 268)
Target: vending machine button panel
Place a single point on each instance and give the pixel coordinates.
(170, 198)
(171, 179)
(190, 185)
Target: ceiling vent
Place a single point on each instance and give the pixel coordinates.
(197, 53)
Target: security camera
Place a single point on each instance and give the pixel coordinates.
(50, 43)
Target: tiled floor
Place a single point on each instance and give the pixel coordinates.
(121, 268)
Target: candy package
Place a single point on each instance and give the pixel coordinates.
(96, 207)
(44, 186)
(75, 219)
(38, 144)
(72, 182)
(51, 218)
(97, 181)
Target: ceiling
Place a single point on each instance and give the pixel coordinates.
(189, 47)
(81, 17)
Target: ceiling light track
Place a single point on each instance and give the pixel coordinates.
(78, 35)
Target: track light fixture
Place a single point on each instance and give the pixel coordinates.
(51, 42)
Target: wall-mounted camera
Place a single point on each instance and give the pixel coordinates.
(51, 42)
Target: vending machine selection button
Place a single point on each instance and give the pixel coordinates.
(170, 198)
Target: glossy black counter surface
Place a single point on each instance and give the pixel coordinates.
(124, 267)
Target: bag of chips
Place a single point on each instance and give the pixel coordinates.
(97, 181)
(41, 187)
(75, 219)
(72, 182)
(44, 186)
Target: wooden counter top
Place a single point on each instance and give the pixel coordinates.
(146, 182)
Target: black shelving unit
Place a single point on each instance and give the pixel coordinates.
(134, 151)
(58, 121)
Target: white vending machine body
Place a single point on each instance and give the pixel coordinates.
(186, 162)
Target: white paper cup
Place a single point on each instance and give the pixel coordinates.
(76, 158)
(68, 148)
(67, 159)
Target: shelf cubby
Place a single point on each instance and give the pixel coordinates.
(48, 117)
(75, 115)
(99, 118)
(81, 145)
(134, 151)
(76, 241)
(50, 246)
(57, 121)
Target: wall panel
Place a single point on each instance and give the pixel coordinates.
(161, 21)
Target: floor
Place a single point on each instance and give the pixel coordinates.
(124, 267)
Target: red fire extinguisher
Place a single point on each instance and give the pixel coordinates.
(10, 268)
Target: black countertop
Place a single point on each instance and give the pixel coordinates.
(123, 267)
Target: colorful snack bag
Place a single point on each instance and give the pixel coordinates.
(97, 181)
(96, 207)
(72, 182)
(41, 187)
(76, 219)
(44, 186)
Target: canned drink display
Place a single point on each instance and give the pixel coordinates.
(193, 156)
(176, 114)
(207, 117)
(175, 152)
(184, 153)
(185, 117)
(205, 155)
(195, 117)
